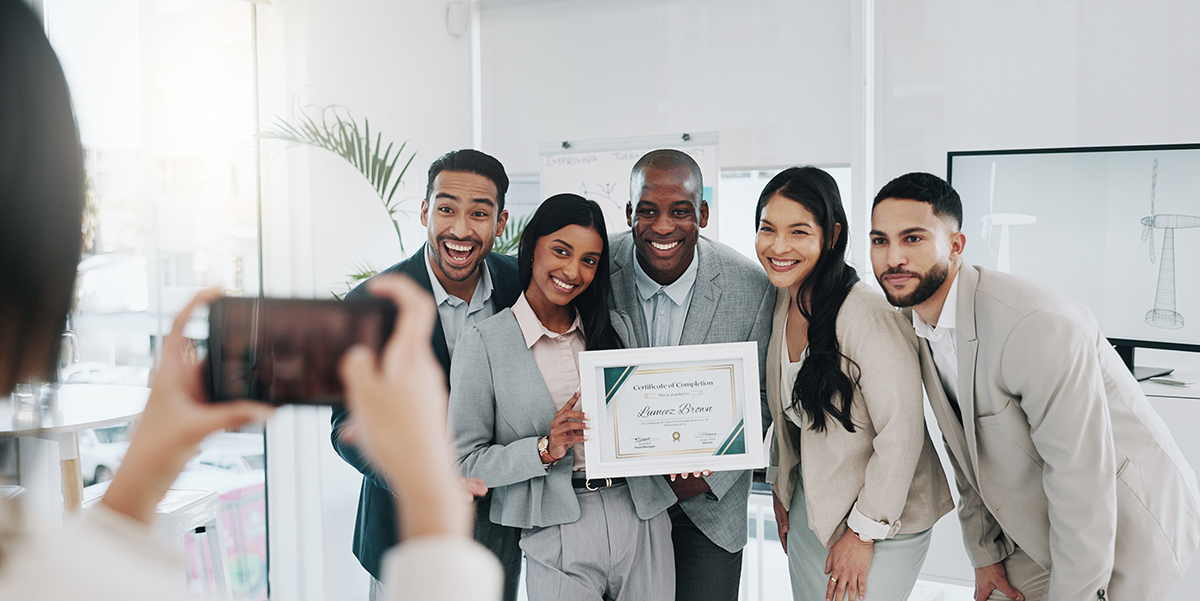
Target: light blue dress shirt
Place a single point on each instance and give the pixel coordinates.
(454, 312)
(665, 307)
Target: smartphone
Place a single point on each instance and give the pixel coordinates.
(287, 351)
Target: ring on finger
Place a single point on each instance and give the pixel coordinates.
(832, 579)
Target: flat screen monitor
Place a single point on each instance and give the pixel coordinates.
(1117, 228)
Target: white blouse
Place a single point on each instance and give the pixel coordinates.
(794, 413)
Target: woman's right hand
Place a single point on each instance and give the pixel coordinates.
(567, 429)
(781, 519)
(177, 417)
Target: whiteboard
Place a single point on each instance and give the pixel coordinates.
(599, 170)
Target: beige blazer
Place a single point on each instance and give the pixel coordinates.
(1058, 451)
(888, 466)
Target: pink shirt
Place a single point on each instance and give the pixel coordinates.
(557, 357)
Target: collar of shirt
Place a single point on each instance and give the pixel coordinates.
(677, 291)
(531, 327)
(483, 288)
(946, 328)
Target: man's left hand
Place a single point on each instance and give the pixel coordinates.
(686, 488)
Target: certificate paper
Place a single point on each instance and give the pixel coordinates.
(672, 409)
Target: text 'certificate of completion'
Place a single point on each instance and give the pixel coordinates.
(672, 409)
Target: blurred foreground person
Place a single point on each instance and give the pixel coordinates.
(111, 552)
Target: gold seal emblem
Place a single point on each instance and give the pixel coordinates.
(675, 435)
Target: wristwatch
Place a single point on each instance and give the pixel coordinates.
(862, 537)
(544, 451)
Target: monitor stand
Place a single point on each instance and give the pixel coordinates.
(1140, 373)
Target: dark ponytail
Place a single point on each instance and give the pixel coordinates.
(821, 379)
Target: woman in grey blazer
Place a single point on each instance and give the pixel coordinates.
(856, 480)
(514, 387)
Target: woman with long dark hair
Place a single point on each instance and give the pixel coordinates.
(856, 481)
(514, 390)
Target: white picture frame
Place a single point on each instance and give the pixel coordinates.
(670, 410)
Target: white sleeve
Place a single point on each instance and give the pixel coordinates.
(130, 536)
(865, 526)
(441, 568)
(101, 554)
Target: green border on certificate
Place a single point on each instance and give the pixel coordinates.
(691, 413)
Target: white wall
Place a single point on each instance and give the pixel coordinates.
(771, 76)
(1032, 73)
(395, 64)
(953, 75)
(391, 62)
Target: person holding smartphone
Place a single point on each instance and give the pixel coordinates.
(857, 483)
(398, 398)
(514, 394)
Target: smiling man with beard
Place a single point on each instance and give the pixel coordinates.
(463, 212)
(680, 288)
(1071, 485)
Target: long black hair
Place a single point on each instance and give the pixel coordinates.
(41, 198)
(822, 388)
(558, 212)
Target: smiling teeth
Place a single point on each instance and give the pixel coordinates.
(778, 263)
(661, 246)
(457, 248)
(562, 284)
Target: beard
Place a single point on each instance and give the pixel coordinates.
(928, 284)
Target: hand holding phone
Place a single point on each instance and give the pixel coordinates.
(176, 419)
(398, 402)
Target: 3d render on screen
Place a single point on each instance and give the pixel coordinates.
(1164, 315)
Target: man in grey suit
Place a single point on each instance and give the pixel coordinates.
(1071, 486)
(679, 288)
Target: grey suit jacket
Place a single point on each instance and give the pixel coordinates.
(887, 467)
(499, 408)
(1059, 452)
(731, 302)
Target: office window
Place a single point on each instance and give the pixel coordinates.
(163, 94)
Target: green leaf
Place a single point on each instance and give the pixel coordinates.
(334, 129)
(509, 242)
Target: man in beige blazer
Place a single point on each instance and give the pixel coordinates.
(1071, 486)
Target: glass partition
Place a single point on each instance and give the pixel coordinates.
(163, 91)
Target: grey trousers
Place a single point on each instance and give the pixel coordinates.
(609, 554)
(894, 567)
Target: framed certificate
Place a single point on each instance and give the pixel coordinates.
(669, 410)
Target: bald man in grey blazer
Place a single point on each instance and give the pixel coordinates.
(679, 288)
(1072, 487)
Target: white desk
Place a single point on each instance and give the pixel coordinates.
(81, 407)
(1178, 392)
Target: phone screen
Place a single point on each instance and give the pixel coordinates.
(287, 351)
